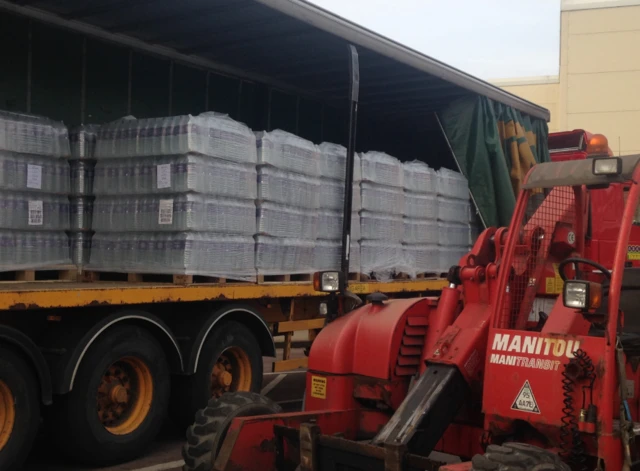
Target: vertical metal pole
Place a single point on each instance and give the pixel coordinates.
(206, 91)
(130, 83)
(29, 65)
(83, 92)
(354, 82)
(170, 88)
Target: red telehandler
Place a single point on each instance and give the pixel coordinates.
(480, 372)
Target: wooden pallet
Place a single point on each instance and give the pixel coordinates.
(305, 277)
(53, 273)
(359, 277)
(419, 276)
(92, 276)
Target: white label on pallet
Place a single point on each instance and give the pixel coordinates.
(165, 213)
(36, 216)
(525, 401)
(163, 176)
(34, 177)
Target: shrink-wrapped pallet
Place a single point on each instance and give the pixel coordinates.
(385, 227)
(189, 253)
(333, 162)
(83, 140)
(454, 233)
(81, 213)
(328, 256)
(28, 134)
(382, 199)
(450, 256)
(286, 221)
(288, 188)
(420, 231)
(278, 256)
(175, 174)
(32, 249)
(420, 178)
(452, 184)
(418, 206)
(288, 152)
(330, 225)
(33, 173)
(80, 247)
(381, 258)
(453, 209)
(211, 134)
(34, 212)
(174, 212)
(382, 169)
(422, 258)
(331, 195)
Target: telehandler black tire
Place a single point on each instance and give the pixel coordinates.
(518, 457)
(19, 410)
(206, 435)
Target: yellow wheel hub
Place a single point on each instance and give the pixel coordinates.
(125, 395)
(7, 413)
(232, 372)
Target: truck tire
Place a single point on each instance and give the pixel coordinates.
(118, 402)
(206, 435)
(19, 410)
(518, 457)
(230, 361)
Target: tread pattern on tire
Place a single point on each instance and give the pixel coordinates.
(518, 457)
(204, 435)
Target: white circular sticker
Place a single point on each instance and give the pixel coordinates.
(571, 237)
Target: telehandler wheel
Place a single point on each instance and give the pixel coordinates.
(518, 457)
(118, 402)
(230, 361)
(19, 410)
(206, 435)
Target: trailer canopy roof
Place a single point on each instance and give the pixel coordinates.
(288, 44)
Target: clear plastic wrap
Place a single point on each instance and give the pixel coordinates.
(288, 152)
(29, 134)
(387, 227)
(80, 247)
(277, 256)
(330, 225)
(452, 233)
(453, 210)
(333, 162)
(22, 172)
(33, 249)
(185, 212)
(211, 134)
(327, 255)
(82, 140)
(288, 188)
(420, 231)
(82, 175)
(382, 258)
(450, 256)
(420, 178)
(452, 184)
(419, 206)
(80, 213)
(286, 221)
(175, 174)
(382, 199)
(422, 258)
(332, 195)
(381, 168)
(34, 212)
(189, 253)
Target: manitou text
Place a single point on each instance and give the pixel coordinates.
(531, 345)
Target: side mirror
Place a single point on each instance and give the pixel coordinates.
(582, 295)
(327, 281)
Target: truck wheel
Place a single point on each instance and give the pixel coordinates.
(230, 361)
(206, 435)
(518, 457)
(19, 410)
(119, 399)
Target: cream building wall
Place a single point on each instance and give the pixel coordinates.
(598, 87)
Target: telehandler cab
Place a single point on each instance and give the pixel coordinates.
(469, 374)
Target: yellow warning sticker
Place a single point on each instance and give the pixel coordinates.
(550, 286)
(633, 252)
(318, 387)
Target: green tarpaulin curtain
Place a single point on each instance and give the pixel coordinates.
(495, 146)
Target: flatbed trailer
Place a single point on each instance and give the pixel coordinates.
(103, 361)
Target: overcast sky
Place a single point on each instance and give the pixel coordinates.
(487, 38)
